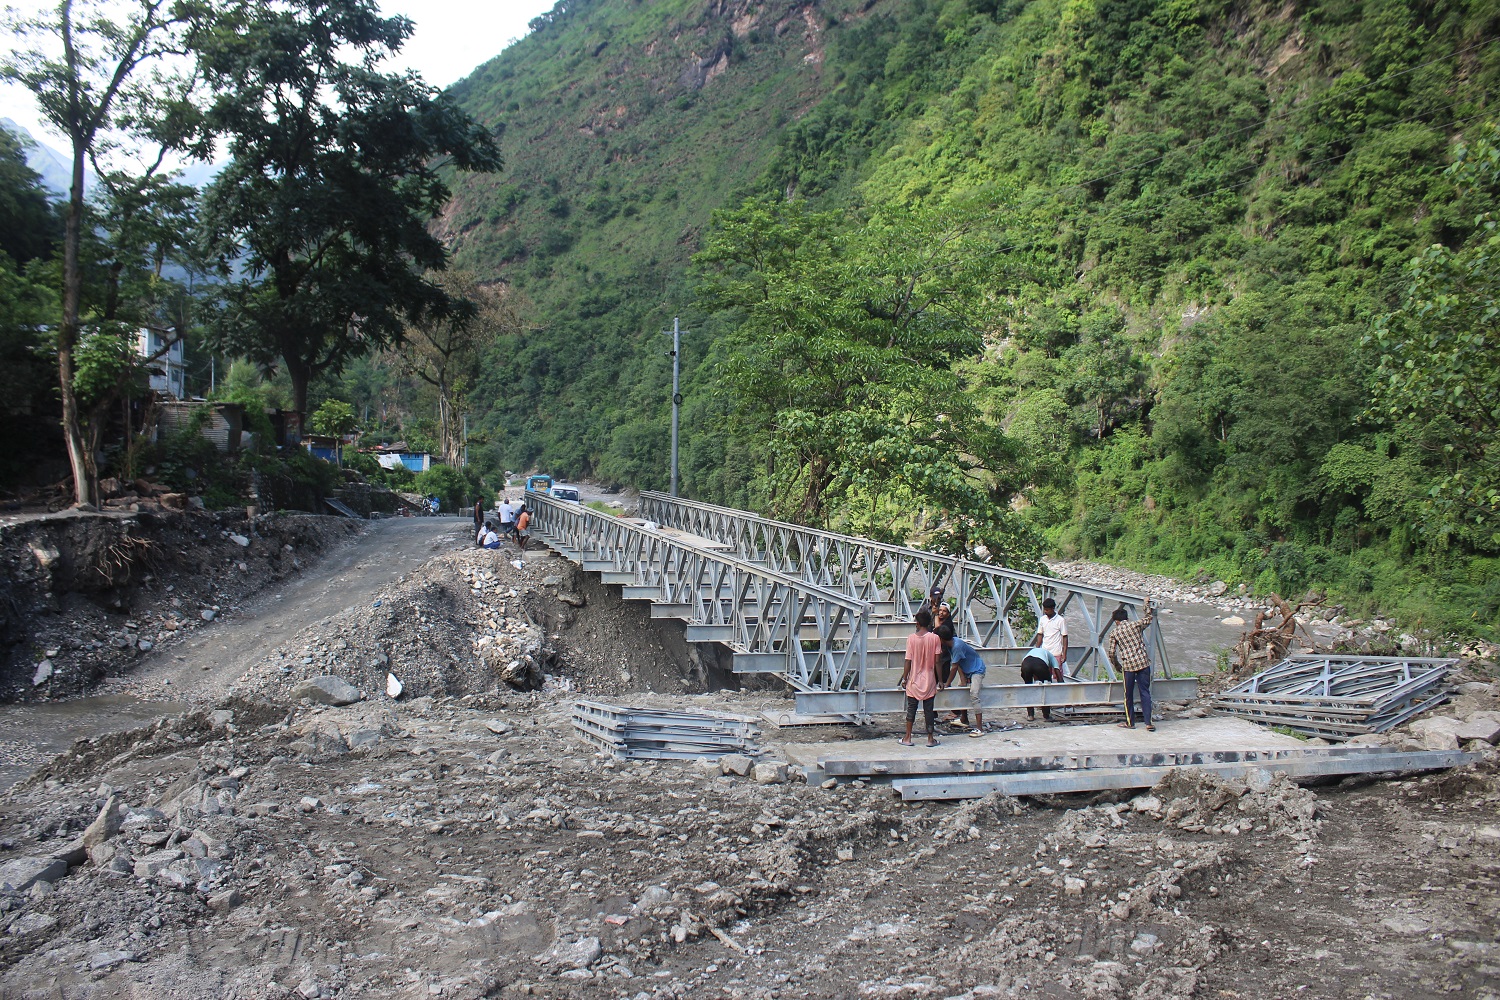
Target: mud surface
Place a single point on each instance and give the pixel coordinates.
(464, 841)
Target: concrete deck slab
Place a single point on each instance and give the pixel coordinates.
(958, 752)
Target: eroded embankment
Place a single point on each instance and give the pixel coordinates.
(85, 596)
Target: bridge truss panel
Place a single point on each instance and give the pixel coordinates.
(820, 633)
(994, 606)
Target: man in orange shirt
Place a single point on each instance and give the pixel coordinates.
(919, 676)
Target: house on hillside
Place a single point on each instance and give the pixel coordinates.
(327, 447)
(221, 423)
(398, 455)
(164, 363)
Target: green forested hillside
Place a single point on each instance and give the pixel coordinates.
(1104, 278)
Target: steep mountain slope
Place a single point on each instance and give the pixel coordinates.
(1219, 198)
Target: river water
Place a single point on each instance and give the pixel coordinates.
(32, 734)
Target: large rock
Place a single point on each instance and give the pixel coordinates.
(23, 873)
(735, 763)
(327, 690)
(105, 825)
(1217, 588)
(770, 772)
(578, 954)
(1479, 727)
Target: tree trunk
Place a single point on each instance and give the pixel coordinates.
(85, 488)
(301, 377)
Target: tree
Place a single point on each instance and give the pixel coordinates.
(334, 418)
(336, 169)
(1438, 378)
(445, 351)
(87, 69)
(845, 357)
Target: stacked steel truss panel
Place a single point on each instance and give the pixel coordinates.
(661, 734)
(1339, 697)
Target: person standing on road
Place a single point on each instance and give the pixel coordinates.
(919, 677)
(478, 516)
(507, 516)
(968, 671)
(1127, 651)
(523, 523)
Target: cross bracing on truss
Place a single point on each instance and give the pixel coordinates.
(995, 606)
(832, 624)
(817, 635)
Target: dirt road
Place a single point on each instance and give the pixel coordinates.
(208, 664)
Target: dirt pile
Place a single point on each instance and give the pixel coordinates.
(84, 596)
(472, 621)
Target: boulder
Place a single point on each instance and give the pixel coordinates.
(105, 825)
(771, 772)
(327, 690)
(1479, 727)
(735, 763)
(23, 873)
(578, 954)
(1218, 588)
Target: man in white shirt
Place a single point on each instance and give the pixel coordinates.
(1052, 632)
(507, 517)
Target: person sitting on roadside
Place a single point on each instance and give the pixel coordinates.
(968, 671)
(1126, 648)
(919, 677)
(1039, 667)
(479, 535)
(490, 540)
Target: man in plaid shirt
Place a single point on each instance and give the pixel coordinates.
(1127, 651)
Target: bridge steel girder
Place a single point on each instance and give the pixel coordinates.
(995, 606)
(1067, 694)
(715, 590)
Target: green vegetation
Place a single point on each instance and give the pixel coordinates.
(1203, 217)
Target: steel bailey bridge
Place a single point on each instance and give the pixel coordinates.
(829, 613)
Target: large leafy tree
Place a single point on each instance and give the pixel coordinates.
(444, 351)
(99, 70)
(320, 221)
(849, 344)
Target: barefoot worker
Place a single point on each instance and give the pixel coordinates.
(919, 677)
(1127, 651)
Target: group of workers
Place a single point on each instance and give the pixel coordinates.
(937, 658)
(515, 521)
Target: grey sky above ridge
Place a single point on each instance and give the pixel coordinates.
(451, 39)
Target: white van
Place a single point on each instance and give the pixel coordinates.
(562, 491)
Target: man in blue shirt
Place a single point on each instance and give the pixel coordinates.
(968, 669)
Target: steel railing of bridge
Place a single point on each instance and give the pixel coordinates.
(995, 606)
(815, 638)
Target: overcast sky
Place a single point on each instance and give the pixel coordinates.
(452, 37)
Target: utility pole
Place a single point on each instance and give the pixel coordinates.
(676, 397)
